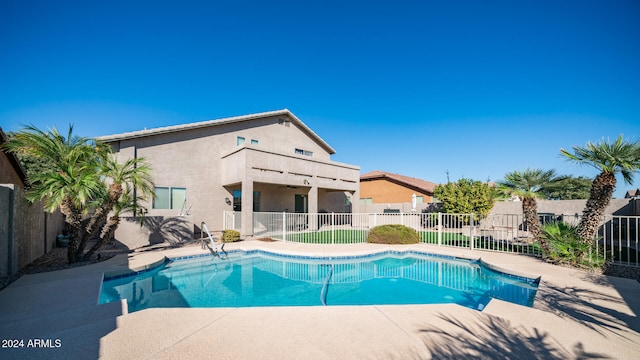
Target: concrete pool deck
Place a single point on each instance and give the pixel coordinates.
(575, 315)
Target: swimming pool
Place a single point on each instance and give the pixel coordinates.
(259, 278)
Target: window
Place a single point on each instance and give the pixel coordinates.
(170, 198)
(162, 199)
(366, 200)
(304, 152)
(178, 198)
(254, 142)
(237, 200)
(240, 140)
(419, 199)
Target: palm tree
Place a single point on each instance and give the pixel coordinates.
(70, 184)
(530, 185)
(610, 159)
(83, 175)
(127, 202)
(132, 176)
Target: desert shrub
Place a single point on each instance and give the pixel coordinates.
(393, 234)
(566, 247)
(466, 196)
(230, 236)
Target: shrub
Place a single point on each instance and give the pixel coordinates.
(466, 196)
(230, 236)
(393, 234)
(566, 247)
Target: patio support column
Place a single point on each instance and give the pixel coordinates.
(355, 200)
(247, 208)
(313, 207)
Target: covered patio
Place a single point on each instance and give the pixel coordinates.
(287, 183)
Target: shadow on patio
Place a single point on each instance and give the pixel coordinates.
(491, 337)
(56, 316)
(597, 308)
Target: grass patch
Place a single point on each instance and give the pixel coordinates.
(429, 237)
(329, 237)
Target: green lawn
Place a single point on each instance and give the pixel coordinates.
(429, 237)
(329, 237)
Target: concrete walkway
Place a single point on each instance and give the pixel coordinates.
(575, 315)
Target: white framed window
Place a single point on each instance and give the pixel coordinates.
(254, 142)
(240, 140)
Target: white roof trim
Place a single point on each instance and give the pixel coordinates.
(202, 124)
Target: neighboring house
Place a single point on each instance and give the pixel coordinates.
(635, 193)
(203, 169)
(26, 231)
(379, 187)
(11, 171)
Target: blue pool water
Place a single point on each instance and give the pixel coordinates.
(258, 278)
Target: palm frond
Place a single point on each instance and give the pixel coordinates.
(620, 156)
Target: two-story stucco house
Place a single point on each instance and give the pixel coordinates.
(266, 162)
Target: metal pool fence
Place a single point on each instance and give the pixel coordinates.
(497, 232)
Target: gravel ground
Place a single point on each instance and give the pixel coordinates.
(630, 272)
(56, 259)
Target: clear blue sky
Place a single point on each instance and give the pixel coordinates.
(421, 88)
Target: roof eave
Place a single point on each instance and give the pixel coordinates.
(217, 122)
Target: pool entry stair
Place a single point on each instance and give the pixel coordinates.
(325, 285)
(214, 247)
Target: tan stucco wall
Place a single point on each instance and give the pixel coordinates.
(384, 191)
(208, 162)
(620, 207)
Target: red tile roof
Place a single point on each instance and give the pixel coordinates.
(423, 185)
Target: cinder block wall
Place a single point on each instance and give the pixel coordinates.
(26, 230)
(618, 207)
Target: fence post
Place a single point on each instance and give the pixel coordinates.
(284, 226)
(440, 228)
(224, 219)
(333, 229)
(471, 231)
